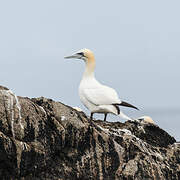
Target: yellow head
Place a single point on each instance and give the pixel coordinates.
(88, 57)
(146, 119)
(85, 54)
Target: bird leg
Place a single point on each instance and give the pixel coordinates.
(91, 116)
(105, 115)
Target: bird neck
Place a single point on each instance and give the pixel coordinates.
(89, 69)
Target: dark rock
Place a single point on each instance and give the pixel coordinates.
(43, 139)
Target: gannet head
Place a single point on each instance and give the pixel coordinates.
(146, 119)
(85, 54)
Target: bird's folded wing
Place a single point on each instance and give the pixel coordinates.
(101, 95)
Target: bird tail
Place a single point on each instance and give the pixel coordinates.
(122, 115)
(123, 103)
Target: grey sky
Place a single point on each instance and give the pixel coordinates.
(136, 45)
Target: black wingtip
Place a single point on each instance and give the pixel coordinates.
(136, 108)
(123, 103)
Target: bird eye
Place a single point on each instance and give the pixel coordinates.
(81, 53)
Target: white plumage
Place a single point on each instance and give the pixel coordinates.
(146, 119)
(96, 97)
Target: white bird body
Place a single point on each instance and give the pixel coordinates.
(96, 97)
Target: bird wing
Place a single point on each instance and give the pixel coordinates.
(102, 95)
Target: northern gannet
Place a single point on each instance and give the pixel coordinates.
(146, 119)
(96, 97)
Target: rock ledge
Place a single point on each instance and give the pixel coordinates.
(43, 139)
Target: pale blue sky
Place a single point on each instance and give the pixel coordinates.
(136, 45)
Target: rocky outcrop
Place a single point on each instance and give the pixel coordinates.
(43, 139)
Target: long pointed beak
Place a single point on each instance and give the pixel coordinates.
(70, 57)
(74, 56)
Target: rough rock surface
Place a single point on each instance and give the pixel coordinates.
(43, 139)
